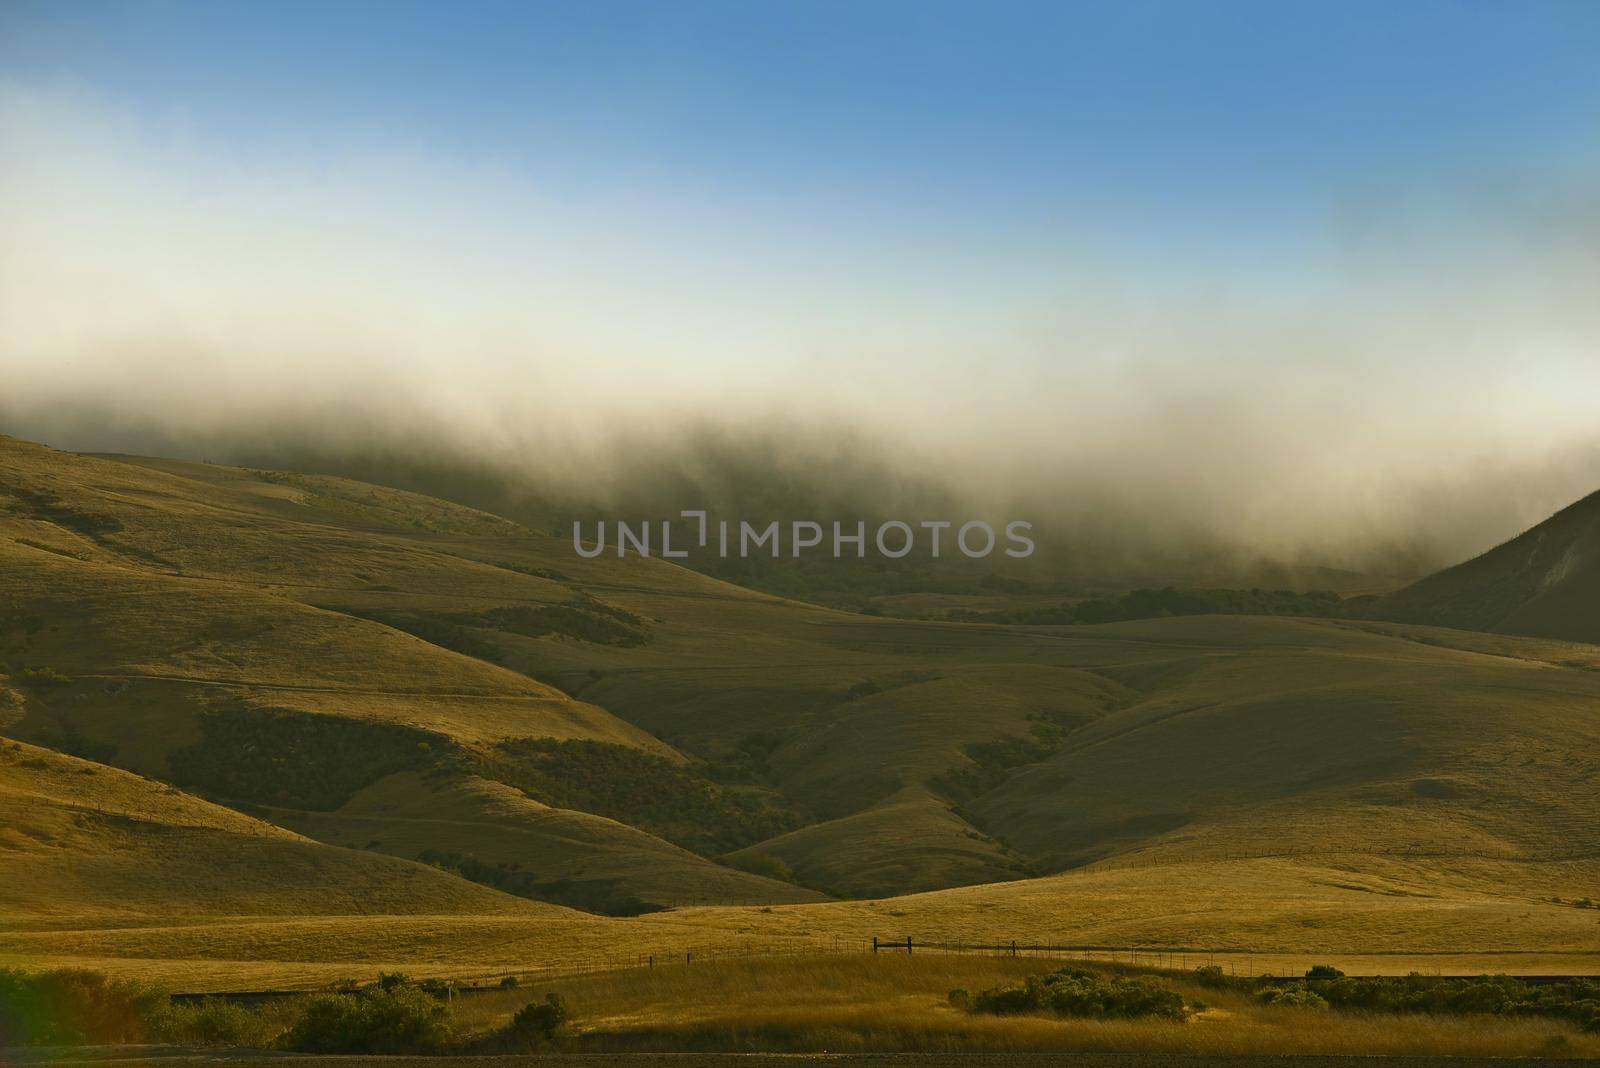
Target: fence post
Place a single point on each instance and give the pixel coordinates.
(874, 943)
(1013, 947)
(652, 960)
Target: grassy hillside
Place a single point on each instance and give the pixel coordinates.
(376, 670)
(496, 835)
(1545, 582)
(1348, 740)
(156, 617)
(83, 842)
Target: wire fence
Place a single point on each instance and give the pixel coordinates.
(1243, 963)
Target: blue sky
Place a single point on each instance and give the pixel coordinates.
(1158, 118)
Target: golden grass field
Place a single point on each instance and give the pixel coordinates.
(1383, 796)
(859, 1004)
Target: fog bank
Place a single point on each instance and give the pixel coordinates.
(1419, 385)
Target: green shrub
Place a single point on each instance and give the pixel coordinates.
(1293, 997)
(1076, 991)
(214, 1022)
(1577, 1000)
(391, 1017)
(764, 864)
(1324, 971)
(42, 676)
(440, 989)
(1499, 995)
(69, 1007)
(537, 1022)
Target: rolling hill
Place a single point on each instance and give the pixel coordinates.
(396, 681)
(86, 843)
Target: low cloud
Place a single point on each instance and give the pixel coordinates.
(1422, 388)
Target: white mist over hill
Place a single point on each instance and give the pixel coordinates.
(1414, 387)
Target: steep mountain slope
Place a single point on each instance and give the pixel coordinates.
(1545, 583)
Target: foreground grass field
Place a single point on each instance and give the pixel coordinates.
(807, 1005)
(900, 1004)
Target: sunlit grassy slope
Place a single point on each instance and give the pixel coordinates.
(82, 842)
(1240, 782)
(160, 597)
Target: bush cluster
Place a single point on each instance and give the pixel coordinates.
(1324, 986)
(1293, 997)
(1075, 991)
(1577, 1000)
(41, 676)
(69, 1007)
(390, 1016)
(73, 1007)
(537, 1022)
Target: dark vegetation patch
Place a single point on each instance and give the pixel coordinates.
(437, 630)
(1325, 987)
(295, 759)
(471, 633)
(75, 1007)
(1078, 992)
(30, 543)
(748, 762)
(764, 864)
(587, 620)
(48, 506)
(1170, 601)
(682, 803)
(604, 896)
(40, 677)
(993, 762)
(392, 1015)
(67, 738)
(72, 1007)
(549, 573)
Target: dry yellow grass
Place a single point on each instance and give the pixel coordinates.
(900, 1004)
(83, 845)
